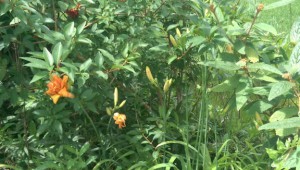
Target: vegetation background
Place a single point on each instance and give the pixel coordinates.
(149, 84)
(281, 18)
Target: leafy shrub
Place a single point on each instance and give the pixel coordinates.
(141, 84)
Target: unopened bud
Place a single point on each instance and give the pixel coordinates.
(178, 32)
(173, 41)
(116, 96)
(167, 85)
(122, 104)
(149, 75)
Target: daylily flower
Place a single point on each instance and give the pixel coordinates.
(58, 87)
(120, 119)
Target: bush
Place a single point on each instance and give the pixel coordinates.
(142, 84)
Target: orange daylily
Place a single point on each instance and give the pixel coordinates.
(58, 87)
(120, 119)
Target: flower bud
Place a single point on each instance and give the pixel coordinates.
(173, 41)
(260, 7)
(122, 104)
(116, 96)
(167, 85)
(149, 75)
(178, 32)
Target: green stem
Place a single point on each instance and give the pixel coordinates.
(205, 110)
(91, 120)
(201, 116)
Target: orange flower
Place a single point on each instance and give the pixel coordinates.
(58, 87)
(120, 119)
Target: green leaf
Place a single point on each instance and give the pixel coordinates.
(84, 66)
(57, 52)
(39, 76)
(219, 14)
(80, 27)
(172, 26)
(48, 56)
(292, 159)
(171, 59)
(129, 68)
(279, 88)
(278, 4)
(295, 32)
(282, 124)
(197, 40)
(221, 65)
(125, 51)
(63, 6)
(160, 48)
(266, 27)
(99, 59)
(36, 65)
(263, 91)
(230, 84)
(102, 74)
(84, 148)
(295, 56)
(82, 79)
(240, 100)
(251, 53)
(273, 154)
(58, 127)
(264, 78)
(263, 66)
(69, 29)
(240, 47)
(107, 54)
(283, 113)
(84, 40)
(258, 107)
(163, 165)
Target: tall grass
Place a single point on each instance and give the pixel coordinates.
(281, 18)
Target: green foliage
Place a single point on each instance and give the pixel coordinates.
(188, 83)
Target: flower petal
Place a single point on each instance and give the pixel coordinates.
(64, 93)
(55, 98)
(64, 81)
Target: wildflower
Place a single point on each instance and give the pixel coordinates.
(73, 12)
(58, 87)
(287, 76)
(260, 7)
(120, 119)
